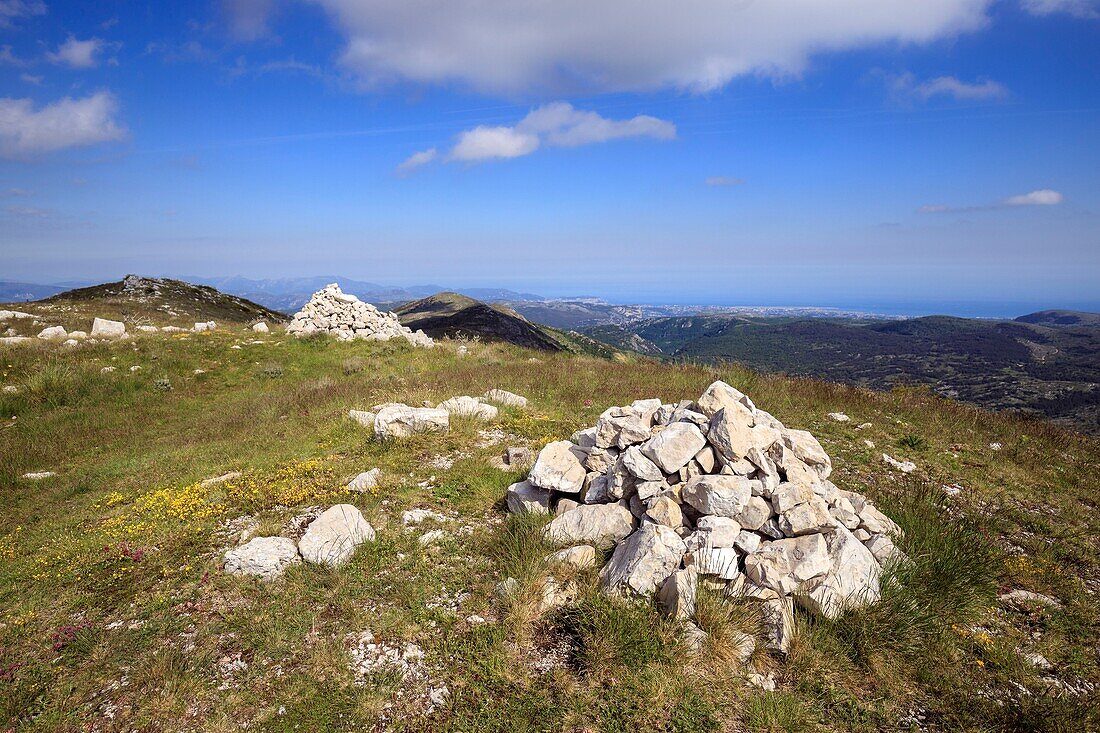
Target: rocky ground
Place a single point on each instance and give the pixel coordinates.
(218, 529)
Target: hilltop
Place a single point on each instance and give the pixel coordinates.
(459, 316)
(1061, 318)
(154, 301)
(166, 451)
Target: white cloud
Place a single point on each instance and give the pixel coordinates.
(77, 54)
(31, 79)
(906, 86)
(1086, 9)
(249, 19)
(66, 123)
(560, 124)
(483, 143)
(8, 57)
(557, 124)
(569, 46)
(417, 159)
(27, 212)
(724, 181)
(14, 193)
(13, 10)
(1042, 197)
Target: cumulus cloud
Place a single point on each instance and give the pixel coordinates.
(1086, 9)
(557, 124)
(503, 46)
(1039, 197)
(416, 160)
(14, 10)
(484, 143)
(77, 54)
(724, 181)
(907, 86)
(66, 123)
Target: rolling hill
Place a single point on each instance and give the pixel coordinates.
(459, 316)
(1001, 365)
(137, 299)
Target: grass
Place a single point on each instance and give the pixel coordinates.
(118, 556)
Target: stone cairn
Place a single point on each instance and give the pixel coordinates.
(716, 491)
(343, 315)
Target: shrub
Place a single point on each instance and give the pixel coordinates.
(273, 370)
(354, 365)
(163, 384)
(912, 442)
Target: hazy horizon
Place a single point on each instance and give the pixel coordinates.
(996, 309)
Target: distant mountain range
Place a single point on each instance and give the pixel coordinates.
(290, 294)
(18, 292)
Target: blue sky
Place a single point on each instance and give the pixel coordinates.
(876, 153)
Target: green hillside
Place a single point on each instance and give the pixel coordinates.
(115, 613)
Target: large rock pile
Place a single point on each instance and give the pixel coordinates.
(343, 315)
(715, 489)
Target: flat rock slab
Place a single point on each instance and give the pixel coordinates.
(266, 558)
(402, 421)
(331, 538)
(601, 525)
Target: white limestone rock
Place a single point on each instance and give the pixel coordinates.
(103, 328)
(504, 397)
(261, 327)
(331, 538)
(777, 615)
(674, 446)
(578, 556)
(366, 481)
(640, 466)
(266, 558)
(807, 449)
(363, 417)
(720, 395)
(784, 565)
(558, 468)
(466, 406)
(524, 497)
(903, 466)
(600, 525)
(53, 333)
(402, 421)
(722, 496)
(677, 594)
(643, 561)
(851, 581)
(720, 531)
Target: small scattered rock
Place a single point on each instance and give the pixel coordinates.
(365, 481)
(207, 483)
(264, 557)
(903, 466)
